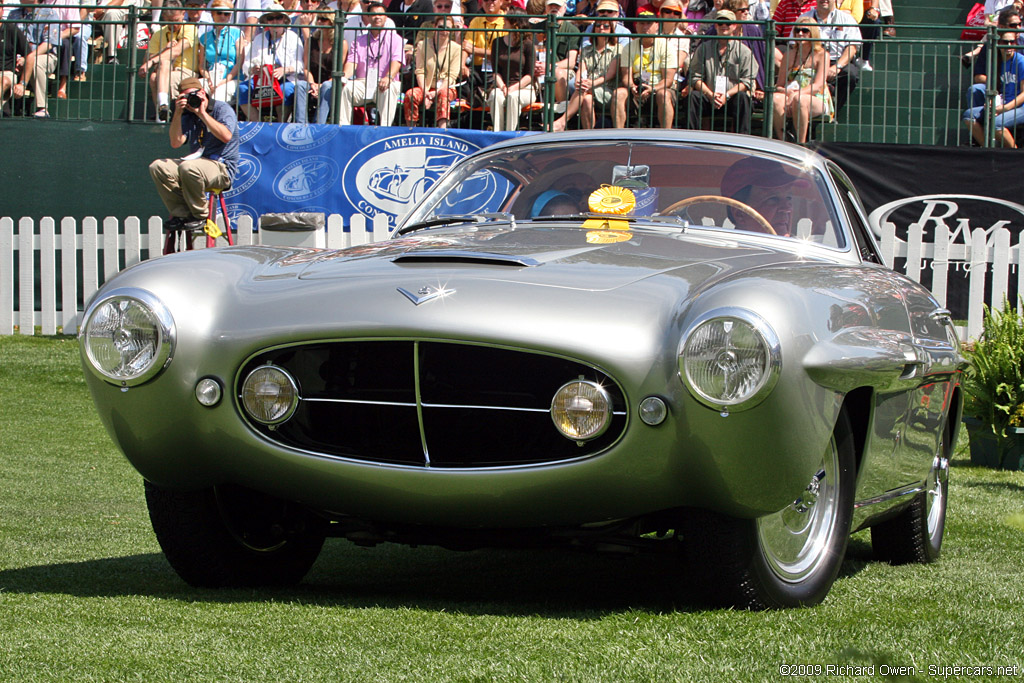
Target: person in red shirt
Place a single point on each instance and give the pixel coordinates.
(787, 11)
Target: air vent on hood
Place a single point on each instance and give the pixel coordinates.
(457, 256)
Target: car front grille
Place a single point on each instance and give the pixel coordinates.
(430, 403)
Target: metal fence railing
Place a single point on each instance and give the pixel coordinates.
(913, 89)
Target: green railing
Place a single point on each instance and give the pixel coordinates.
(915, 92)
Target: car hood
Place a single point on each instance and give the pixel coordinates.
(561, 257)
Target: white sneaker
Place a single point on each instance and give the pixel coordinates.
(865, 65)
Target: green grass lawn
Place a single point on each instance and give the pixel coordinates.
(85, 594)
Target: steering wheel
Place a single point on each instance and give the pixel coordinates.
(725, 201)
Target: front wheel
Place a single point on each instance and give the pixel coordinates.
(230, 536)
(789, 558)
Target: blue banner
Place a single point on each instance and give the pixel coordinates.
(344, 169)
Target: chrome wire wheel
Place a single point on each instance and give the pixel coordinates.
(935, 495)
(797, 540)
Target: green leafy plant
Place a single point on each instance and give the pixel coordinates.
(994, 383)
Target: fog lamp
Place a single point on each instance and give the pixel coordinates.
(270, 395)
(581, 410)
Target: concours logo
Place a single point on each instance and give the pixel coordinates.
(249, 170)
(248, 130)
(300, 137)
(305, 179)
(391, 175)
(237, 211)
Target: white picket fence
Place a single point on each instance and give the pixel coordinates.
(99, 250)
(96, 253)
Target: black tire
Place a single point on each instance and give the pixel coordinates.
(915, 534)
(740, 562)
(228, 536)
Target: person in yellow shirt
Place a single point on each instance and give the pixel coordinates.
(854, 7)
(480, 34)
(171, 58)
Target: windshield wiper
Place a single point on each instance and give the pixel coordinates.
(458, 218)
(673, 220)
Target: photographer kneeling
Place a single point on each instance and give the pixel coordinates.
(211, 130)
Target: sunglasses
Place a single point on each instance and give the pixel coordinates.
(802, 32)
(671, 13)
(1013, 25)
(218, 13)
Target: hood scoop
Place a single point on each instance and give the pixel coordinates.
(461, 256)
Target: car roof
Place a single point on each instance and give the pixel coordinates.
(748, 143)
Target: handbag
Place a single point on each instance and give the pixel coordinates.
(975, 24)
(266, 90)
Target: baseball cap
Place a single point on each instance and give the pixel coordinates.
(672, 3)
(560, 3)
(647, 11)
(758, 172)
(190, 83)
(608, 5)
(725, 15)
(273, 10)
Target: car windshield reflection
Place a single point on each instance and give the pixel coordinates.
(674, 184)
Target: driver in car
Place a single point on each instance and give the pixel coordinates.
(766, 187)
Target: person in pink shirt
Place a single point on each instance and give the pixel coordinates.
(372, 68)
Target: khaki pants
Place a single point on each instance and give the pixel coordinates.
(178, 74)
(7, 81)
(354, 93)
(45, 65)
(182, 185)
(113, 31)
(505, 111)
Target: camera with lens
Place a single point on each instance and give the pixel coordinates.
(194, 100)
(642, 79)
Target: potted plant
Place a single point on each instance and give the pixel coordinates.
(994, 388)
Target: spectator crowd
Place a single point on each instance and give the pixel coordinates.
(479, 63)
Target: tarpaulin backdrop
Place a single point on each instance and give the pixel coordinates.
(343, 169)
(962, 188)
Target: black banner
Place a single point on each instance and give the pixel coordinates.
(962, 188)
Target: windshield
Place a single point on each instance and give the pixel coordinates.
(703, 186)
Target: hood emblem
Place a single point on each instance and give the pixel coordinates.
(425, 294)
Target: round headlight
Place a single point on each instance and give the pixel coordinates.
(730, 359)
(581, 410)
(270, 395)
(128, 337)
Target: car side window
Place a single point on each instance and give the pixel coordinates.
(866, 245)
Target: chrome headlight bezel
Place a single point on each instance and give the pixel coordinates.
(291, 387)
(600, 407)
(163, 327)
(771, 350)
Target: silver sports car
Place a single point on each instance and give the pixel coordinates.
(668, 341)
